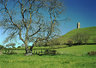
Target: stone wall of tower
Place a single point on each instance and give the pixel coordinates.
(78, 25)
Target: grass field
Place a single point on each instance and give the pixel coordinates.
(70, 57)
(77, 50)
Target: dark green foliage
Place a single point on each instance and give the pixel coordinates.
(36, 51)
(50, 52)
(70, 43)
(19, 47)
(92, 53)
(1, 47)
(41, 51)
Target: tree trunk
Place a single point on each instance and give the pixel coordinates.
(31, 48)
(28, 53)
(26, 48)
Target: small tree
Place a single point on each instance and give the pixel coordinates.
(80, 38)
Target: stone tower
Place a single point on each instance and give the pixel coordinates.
(78, 25)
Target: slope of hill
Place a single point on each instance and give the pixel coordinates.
(91, 31)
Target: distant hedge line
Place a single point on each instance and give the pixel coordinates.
(39, 48)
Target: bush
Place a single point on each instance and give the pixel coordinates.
(19, 47)
(69, 42)
(1, 47)
(92, 53)
(8, 51)
(50, 52)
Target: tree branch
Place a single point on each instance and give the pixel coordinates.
(14, 23)
(35, 32)
(11, 17)
(22, 12)
(20, 35)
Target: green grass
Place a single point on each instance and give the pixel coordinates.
(89, 30)
(77, 50)
(68, 59)
(57, 61)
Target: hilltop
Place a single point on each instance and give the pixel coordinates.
(91, 31)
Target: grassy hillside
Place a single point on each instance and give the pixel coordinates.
(91, 31)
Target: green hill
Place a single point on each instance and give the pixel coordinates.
(91, 31)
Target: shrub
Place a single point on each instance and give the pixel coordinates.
(50, 52)
(8, 51)
(69, 42)
(1, 47)
(92, 53)
(19, 47)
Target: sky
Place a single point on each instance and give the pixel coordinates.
(83, 11)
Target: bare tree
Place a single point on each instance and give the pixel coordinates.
(26, 19)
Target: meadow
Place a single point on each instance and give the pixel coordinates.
(68, 57)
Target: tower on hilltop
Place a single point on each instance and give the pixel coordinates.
(78, 25)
